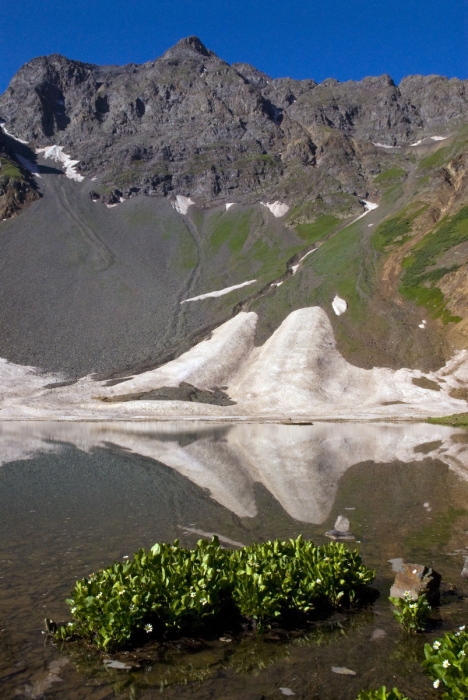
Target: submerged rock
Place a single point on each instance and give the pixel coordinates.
(417, 579)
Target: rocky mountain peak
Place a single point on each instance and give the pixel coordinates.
(187, 48)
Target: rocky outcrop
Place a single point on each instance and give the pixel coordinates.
(190, 124)
(17, 187)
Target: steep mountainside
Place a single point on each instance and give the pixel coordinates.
(160, 183)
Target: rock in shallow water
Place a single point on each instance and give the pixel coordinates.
(341, 530)
(417, 579)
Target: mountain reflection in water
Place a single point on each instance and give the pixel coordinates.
(300, 465)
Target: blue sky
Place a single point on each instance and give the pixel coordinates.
(299, 38)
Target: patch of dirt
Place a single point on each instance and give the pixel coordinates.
(184, 392)
(426, 383)
(461, 393)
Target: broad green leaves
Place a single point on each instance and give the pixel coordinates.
(172, 588)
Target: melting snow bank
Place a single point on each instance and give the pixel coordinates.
(425, 140)
(220, 292)
(56, 153)
(295, 267)
(229, 205)
(339, 305)
(297, 373)
(5, 131)
(369, 206)
(277, 208)
(383, 145)
(181, 204)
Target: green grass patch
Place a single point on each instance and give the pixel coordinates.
(318, 229)
(10, 170)
(232, 229)
(388, 177)
(458, 420)
(397, 228)
(172, 590)
(420, 273)
(436, 159)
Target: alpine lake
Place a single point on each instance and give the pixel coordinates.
(75, 497)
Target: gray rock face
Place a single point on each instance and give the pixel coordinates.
(190, 124)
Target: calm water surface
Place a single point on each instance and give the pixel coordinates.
(76, 497)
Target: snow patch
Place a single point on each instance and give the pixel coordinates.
(369, 206)
(220, 292)
(339, 305)
(5, 131)
(109, 206)
(229, 205)
(295, 268)
(56, 153)
(32, 167)
(276, 284)
(383, 145)
(181, 204)
(433, 138)
(422, 324)
(278, 209)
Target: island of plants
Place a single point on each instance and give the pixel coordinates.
(172, 591)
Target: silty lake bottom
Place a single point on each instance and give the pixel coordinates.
(76, 497)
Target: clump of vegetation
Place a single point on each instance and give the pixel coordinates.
(457, 420)
(411, 615)
(420, 272)
(447, 663)
(390, 177)
(397, 228)
(9, 170)
(436, 159)
(174, 590)
(381, 694)
(318, 229)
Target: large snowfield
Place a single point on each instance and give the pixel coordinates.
(298, 373)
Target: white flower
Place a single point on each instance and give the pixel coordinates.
(99, 595)
(457, 634)
(193, 594)
(319, 580)
(462, 628)
(462, 653)
(70, 624)
(436, 645)
(148, 628)
(446, 663)
(413, 605)
(203, 601)
(122, 591)
(436, 683)
(73, 611)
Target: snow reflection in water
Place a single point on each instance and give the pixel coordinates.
(76, 496)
